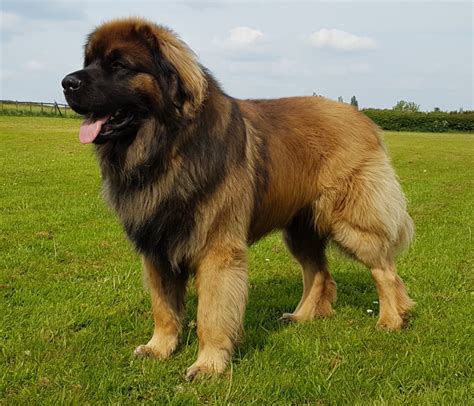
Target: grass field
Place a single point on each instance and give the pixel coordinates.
(73, 307)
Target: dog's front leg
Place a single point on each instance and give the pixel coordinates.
(221, 282)
(167, 291)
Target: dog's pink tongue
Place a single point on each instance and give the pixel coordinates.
(90, 129)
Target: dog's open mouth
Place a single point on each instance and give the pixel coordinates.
(100, 129)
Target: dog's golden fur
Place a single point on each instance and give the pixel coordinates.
(314, 168)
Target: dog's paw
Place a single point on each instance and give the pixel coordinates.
(391, 324)
(210, 362)
(158, 347)
(287, 318)
(323, 309)
(195, 372)
(202, 371)
(143, 351)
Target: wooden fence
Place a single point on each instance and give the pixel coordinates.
(28, 108)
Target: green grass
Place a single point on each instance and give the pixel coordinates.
(73, 307)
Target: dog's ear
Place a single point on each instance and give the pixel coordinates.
(178, 64)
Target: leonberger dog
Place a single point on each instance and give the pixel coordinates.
(196, 176)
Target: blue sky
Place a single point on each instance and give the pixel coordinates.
(379, 51)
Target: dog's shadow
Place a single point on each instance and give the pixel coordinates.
(271, 296)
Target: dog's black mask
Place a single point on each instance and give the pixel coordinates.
(103, 95)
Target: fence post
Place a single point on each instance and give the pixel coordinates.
(57, 107)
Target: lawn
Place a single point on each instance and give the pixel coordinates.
(73, 307)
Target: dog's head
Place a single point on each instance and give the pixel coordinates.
(133, 69)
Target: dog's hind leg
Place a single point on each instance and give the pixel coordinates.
(308, 247)
(393, 298)
(373, 251)
(167, 291)
(369, 221)
(221, 283)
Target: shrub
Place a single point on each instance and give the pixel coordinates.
(419, 121)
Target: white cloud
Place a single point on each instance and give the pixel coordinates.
(245, 35)
(340, 40)
(240, 37)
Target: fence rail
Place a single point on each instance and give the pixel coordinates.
(30, 108)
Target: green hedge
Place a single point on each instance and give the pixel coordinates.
(419, 121)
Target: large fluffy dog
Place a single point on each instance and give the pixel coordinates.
(196, 175)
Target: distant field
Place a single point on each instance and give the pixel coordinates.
(73, 307)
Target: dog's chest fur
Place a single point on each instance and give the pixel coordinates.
(159, 188)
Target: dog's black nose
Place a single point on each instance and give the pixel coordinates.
(71, 82)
